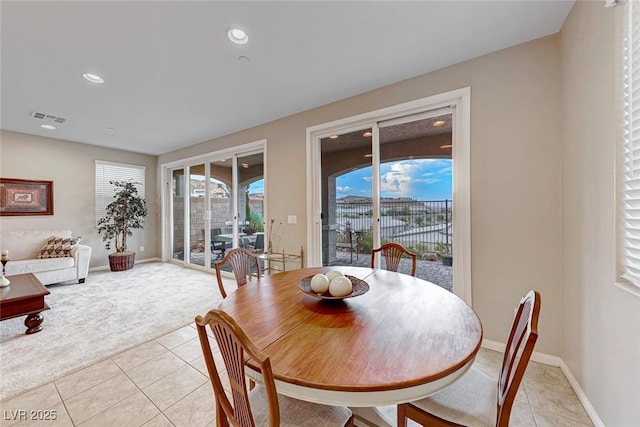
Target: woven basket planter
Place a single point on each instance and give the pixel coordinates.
(122, 261)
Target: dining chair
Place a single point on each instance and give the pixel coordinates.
(474, 400)
(393, 253)
(240, 260)
(262, 404)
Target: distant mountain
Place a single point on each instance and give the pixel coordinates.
(363, 199)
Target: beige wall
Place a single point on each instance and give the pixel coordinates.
(515, 174)
(601, 338)
(542, 183)
(71, 167)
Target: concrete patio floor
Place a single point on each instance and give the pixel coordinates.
(432, 271)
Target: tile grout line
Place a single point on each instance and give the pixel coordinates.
(140, 390)
(111, 406)
(64, 404)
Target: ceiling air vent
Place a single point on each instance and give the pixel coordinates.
(48, 117)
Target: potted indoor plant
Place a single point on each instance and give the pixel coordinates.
(125, 214)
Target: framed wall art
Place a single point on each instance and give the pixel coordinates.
(25, 197)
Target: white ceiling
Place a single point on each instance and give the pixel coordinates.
(173, 79)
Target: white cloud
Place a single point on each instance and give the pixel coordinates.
(427, 180)
(399, 179)
(396, 183)
(405, 178)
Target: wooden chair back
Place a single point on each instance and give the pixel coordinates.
(393, 253)
(241, 261)
(522, 339)
(236, 349)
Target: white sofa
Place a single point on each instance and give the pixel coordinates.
(24, 247)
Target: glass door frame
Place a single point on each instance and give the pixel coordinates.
(185, 164)
(459, 101)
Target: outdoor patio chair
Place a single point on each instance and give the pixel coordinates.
(258, 245)
(393, 253)
(262, 405)
(346, 240)
(217, 245)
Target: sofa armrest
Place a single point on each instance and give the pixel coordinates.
(82, 256)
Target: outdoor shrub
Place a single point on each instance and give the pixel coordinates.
(366, 242)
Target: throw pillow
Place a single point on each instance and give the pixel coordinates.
(58, 247)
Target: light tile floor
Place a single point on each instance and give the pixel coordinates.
(164, 383)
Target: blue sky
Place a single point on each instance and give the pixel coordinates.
(257, 187)
(422, 179)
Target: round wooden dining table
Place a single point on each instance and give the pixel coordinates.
(402, 340)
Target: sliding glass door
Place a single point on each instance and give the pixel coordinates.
(213, 204)
(389, 182)
(347, 195)
(177, 209)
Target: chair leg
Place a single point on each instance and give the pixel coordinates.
(221, 417)
(402, 415)
(350, 422)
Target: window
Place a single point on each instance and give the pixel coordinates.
(106, 172)
(630, 156)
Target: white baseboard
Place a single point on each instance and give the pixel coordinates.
(142, 261)
(591, 411)
(547, 359)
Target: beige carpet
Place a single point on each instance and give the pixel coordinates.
(110, 313)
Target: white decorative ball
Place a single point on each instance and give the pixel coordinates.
(319, 283)
(332, 274)
(340, 286)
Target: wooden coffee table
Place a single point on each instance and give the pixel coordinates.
(24, 296)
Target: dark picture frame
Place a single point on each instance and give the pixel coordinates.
(25, 197)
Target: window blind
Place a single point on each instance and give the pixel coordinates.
(106, 172)
(631, 143)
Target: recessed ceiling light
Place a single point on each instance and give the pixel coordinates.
(438, 123)
(110, 129)
(93, 78)
(367, 134)
(237, 36)
(50, 127)
(446, 146)
(333, 137)
(243, 58)
(368, 155)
